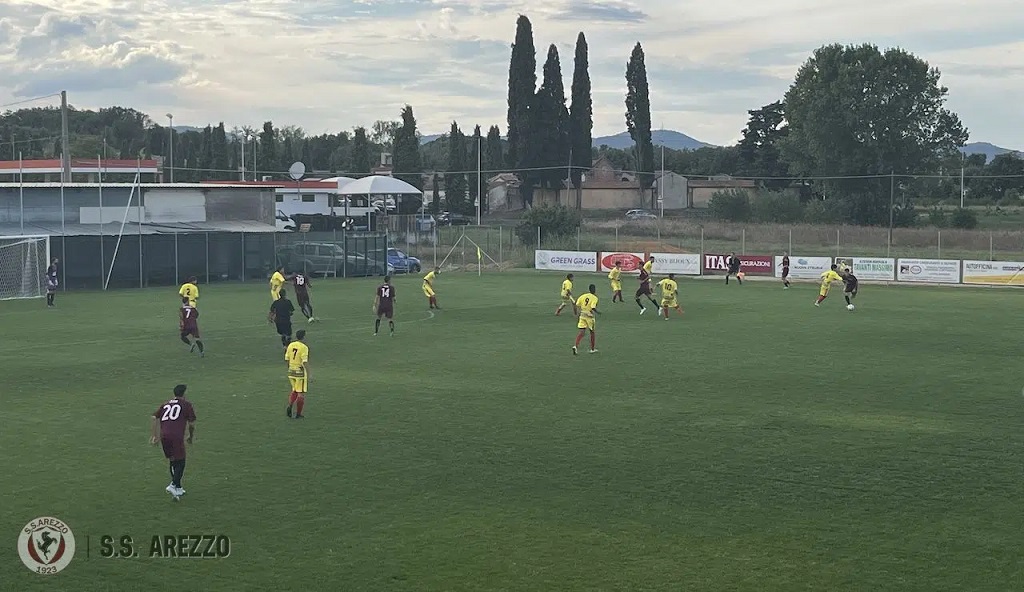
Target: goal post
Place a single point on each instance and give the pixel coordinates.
(23, 263)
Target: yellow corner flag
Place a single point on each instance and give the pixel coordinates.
(479, 254)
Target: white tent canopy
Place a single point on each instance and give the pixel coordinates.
(341, 181)
(378, 185)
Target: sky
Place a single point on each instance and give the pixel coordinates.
(334, 65)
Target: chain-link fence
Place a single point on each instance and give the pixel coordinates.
(511, 245)
(162, 259)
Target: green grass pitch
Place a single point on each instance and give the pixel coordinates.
(757, 443)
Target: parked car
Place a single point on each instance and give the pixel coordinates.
(326, 259)
(640, 215)
(448, 219)
(402, 263)
(425, 223)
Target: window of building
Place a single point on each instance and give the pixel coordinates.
(308, 197)
(279, 198)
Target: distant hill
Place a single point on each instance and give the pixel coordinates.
(670, 139)
(429, 138)
(989, 150)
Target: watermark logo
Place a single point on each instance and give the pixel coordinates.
(46, 545)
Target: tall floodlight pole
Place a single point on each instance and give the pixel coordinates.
(170, 142)
(963, 158)
(65, 141)
(661, 182)
(479, 187)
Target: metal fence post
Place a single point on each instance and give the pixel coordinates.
(177, 273)
(616, 238)
(837, 242)
(701, 241)
(207, 235)
(578, 238)
(743, 241)
(790, 241)
(538, 238)
(991, 253)
(939, 245)
(243, 257)
(500, 233)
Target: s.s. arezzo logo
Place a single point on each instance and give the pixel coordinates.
(46, 545)
(628, 261)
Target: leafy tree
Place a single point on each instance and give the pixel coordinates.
(455, 185)
(581, 117)
(219, 153)
(638, 117)
(758, 151)
(406, 162)
(552, 133)
(268, 145)
(383, 133)
(779, 207)
(522, 82)
(963, 218)
(732, 205)
(853, 110)
(359, 163)
(555, 221)
(494, 150)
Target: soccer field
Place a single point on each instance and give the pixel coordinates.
(757, 443)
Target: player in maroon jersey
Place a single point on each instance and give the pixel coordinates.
(190, 327)
(645, 290)
(302, 288)
(785, 270)
(384, 305)
(169, 422)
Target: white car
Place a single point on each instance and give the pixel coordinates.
(640, 215)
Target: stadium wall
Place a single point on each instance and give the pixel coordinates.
(871, 269)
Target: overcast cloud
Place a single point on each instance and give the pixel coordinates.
(330, 66)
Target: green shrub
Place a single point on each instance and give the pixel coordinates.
(730, 206)
(938, 218)
(777, 207)
(818, 211)
(555, 222)
(963, 218)
(904, 215)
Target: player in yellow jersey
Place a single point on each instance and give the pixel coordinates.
(190, 290)
(615, 277)
(428, 287)
(297, 356)
(566, 294)
(649, 265)
(587, 307)
(669, 295)
(276, 282)
(826, 284)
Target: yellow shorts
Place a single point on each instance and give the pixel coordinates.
(586, 323)
(275, 295)
(428, 291)
(299, 381)
(616, 286)
(824, 290)
(567, 299)
(669, 302)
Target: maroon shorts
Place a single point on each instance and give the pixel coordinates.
(192, 330)
(386, 310)
(785, 272)
(174, 448)
(302, 298)
(643, 290)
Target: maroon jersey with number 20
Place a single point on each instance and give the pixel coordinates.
(386, 300)
(173, 416)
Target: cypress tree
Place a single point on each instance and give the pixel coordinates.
(455, 186)
(638, 117)
(552, 134)
(360, 156)
(406, 158)
(581, 117)
(522, 83)
(476, 154)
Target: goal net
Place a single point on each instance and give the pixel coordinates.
(23, 263)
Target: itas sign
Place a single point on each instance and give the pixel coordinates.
(752, 264)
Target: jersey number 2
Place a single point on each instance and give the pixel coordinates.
(171, 412)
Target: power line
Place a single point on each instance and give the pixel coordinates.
(33, 99)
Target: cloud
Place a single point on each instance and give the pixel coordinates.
(333, 65)
(600, 10)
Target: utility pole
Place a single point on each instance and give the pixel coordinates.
(170, 141)
(65, 141)
(963, 158)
